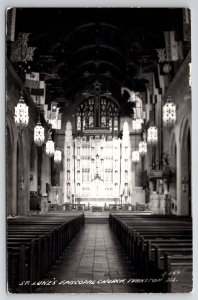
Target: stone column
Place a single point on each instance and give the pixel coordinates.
(182, 172)
(14, 180)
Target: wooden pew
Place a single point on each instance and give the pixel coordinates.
(175, 264)
(147, 240)
(16, 257)
(26, 267)
(44, 239)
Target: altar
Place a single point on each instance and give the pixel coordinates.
(97, 168)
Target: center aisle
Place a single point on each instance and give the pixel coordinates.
(94, 255)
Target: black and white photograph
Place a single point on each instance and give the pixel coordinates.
(98, 121)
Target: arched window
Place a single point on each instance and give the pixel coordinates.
(115, 123)
(78, 163)
(126, 189)
(78, 150)
(97, 112)
(110, 124)
(68, 163)
(91, 121)
(103, 121)
(68, 189)
(78, 189)
(68, 151)
(78, 122)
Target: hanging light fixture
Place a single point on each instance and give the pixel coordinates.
(137, 124)
(49, 146)
(152, 136)
(135, 157)
(21, 116)
(143, 146)
(39, 133)
(169, 113)
(57, 156)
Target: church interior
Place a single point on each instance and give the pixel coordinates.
(98, 149)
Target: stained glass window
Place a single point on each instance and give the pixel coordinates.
(116, 123)
(91, 121)
(78, 122)
(103, 121)
(95, 112)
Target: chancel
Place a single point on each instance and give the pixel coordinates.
(98, 149)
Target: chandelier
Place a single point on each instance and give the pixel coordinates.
(143, 145)
(137, 124)
(169, 113)
(152, 136)
(135, 157)
(49, 146)
(21, 117)
(142, 148)
(39, 135)
(57, 156)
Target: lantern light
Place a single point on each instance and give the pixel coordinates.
(169, 113)
(137, 124)
(21, 117)
(49, 146)
(57, 156)
(135, 157)
(152, 136)
(142, 148)
(39, 135)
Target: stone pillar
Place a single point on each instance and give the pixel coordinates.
(178, 180)
(26, 151)
(14, 180)
(182, 172)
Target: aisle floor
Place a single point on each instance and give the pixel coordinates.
(94, 255)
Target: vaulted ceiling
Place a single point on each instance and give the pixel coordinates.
(77, 46)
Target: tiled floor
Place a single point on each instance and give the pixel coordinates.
(94, 254)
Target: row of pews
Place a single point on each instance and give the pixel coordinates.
(158, 247)
(34, 244)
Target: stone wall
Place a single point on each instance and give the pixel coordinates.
(22, 175)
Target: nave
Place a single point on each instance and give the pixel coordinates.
(95, 255)
(98, 132)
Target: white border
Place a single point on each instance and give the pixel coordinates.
(193, 4)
